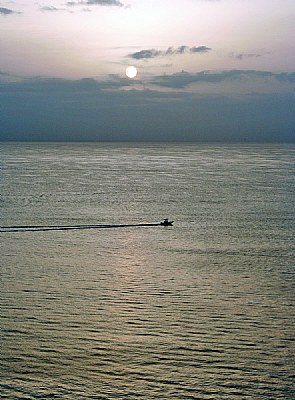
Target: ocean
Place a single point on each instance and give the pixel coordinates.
(200, 310)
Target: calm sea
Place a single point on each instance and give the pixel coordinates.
(200, 310)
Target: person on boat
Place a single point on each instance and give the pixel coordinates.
(166, 222)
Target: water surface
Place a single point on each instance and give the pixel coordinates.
(201, 310)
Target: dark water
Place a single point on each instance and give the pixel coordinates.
(202, 310)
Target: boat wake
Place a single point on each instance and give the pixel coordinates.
(38, 228)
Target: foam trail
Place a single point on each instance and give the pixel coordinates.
(37, 228)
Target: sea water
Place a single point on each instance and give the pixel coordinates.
(200, 310)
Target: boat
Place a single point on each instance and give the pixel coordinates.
(166, 222)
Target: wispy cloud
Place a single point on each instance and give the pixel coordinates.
(171, 51)
(241, 56)
(7, 11)
(115, 3)
(51, 8)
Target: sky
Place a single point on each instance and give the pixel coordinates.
(208, 70)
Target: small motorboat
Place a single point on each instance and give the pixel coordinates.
(166, 222)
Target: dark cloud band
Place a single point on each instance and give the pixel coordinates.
(96, 110)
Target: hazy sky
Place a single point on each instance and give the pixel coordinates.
(207, 69)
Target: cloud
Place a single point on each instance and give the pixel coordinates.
(6, 78)
(241, 56)
(144, 54)
(180, 81)
(183, 79)
(200, 49)
(7, 11)
(50, 8)
(116, 3)
(171, 51)
(62, 86)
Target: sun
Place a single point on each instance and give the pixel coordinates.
(131, 72)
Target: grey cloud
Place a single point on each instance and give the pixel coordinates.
(50, 8)
(59, 85)
(51, 85)
(7, 11)
(144, 54)
(180, 50)
(200, 49)
(153, 53)
(104, 3)
(116, 3)
(241, 56)
(183, 79)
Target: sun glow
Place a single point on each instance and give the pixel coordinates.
(131, 72)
